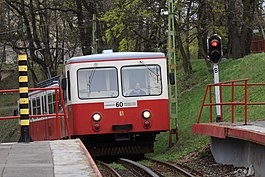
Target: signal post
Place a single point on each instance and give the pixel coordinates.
(171, 55)
(215, 53)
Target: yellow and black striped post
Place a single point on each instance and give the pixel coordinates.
(24, 100)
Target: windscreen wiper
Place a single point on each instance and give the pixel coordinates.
(156, 74)
(90, 78)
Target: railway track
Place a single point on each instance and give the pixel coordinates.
(175, 169)
(106, 170)
(135, 169)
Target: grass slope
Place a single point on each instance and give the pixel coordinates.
(190, 94)
(9, 129)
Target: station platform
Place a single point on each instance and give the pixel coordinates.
(254, 131)
(237, 144)
(60, 158)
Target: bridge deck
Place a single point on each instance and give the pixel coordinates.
(62, 158)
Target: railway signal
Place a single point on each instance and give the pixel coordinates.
(215, 51)
(215, 54)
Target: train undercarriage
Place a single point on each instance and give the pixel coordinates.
(121, 144)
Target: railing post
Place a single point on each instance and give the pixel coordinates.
(211, 106)
(245, 101)
(233, 100)
(64, 112)
(56, 114)
(203, 101)
(24, 100)
(221, 101)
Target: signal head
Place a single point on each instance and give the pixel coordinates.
(215, 51)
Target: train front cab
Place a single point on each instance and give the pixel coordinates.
(107, 110)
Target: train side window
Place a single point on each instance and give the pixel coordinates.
(46, 100)
(38, 109)
(53, 102)
(44, 103)
(50, 103)
(34, 106)
(68, 86)
(59, 102)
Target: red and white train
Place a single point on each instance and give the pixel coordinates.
(116, 102)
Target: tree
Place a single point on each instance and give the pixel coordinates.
(45, 32)
(203, 24)
(184, 31)
(38, 35)
(50, 31)
(240, 17)
(135, 25)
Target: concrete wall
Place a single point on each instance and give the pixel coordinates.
(239, 153)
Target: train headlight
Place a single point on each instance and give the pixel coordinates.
(96, 117)
(146, 114)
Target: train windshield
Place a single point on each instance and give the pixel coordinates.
(97, 83)
(141, 81)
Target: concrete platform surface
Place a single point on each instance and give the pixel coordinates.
(61, 158)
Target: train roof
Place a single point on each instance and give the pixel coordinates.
(117, 56)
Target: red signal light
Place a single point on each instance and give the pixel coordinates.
(214, 43)
(214, 48)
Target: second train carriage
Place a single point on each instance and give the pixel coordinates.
(41, 104)
(117, 102)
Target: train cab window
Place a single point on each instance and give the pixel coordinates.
(141, 81)
(97, 83)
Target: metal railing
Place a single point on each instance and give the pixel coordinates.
(57, 115)
(232, 103)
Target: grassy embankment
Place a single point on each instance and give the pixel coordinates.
(190, 94)
(9, 129)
